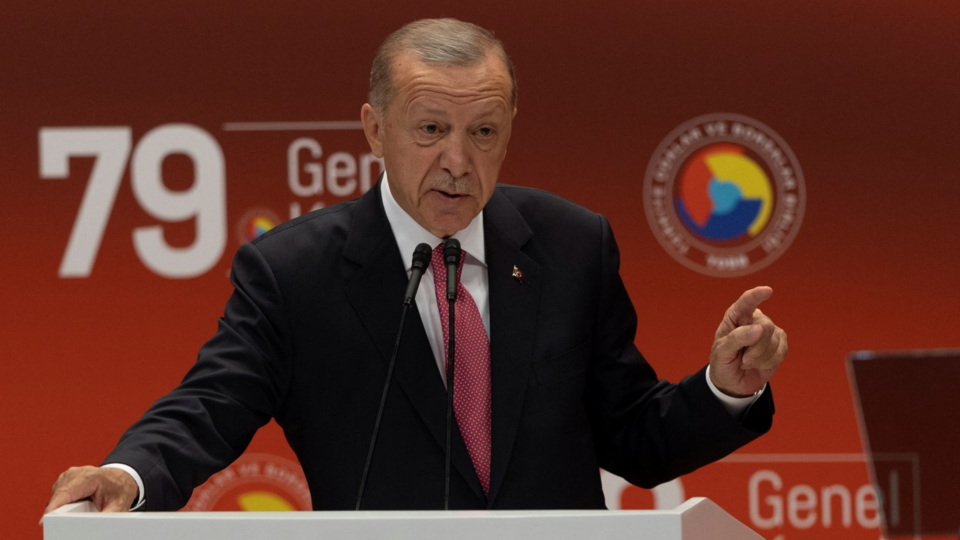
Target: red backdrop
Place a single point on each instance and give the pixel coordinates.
(863, 93)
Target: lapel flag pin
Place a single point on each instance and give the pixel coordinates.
(517, 274)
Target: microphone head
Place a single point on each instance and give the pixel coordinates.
(421, 256)
(451, 257)
(451, 252)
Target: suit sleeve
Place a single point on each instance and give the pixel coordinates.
(647, 430)
(235, 387)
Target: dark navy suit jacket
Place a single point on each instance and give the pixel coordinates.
(308, 332)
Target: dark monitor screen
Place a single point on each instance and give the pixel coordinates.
(908, 405)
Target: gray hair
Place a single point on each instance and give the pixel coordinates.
(434, 41)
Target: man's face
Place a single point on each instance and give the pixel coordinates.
(443, 138)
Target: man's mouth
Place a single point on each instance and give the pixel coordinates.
(448, 195)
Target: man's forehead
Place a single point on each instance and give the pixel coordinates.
(490, 68)
(487, 80)
(482, 107)
(489, 108)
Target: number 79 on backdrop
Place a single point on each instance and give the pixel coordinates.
(204, 201)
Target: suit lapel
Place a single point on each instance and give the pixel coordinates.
(513, 314)
(376, 294)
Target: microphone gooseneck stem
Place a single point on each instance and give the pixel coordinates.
(383, 402)
(450, 356)
(421, 259)
(451, 259)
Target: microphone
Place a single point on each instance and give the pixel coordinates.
(451, 257)
(421, 258)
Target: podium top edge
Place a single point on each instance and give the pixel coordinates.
(385, 515)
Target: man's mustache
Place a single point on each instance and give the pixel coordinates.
(447, 183)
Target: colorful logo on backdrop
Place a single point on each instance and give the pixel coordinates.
(254, 483)
(254, 223)
(724, 195)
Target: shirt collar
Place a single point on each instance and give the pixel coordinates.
(409, 233)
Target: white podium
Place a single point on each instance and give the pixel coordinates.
(696, 519)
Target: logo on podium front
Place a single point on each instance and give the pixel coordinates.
(254, 483)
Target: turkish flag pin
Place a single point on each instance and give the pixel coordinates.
(517, 274)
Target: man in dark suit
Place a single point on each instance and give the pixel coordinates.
(557, 388)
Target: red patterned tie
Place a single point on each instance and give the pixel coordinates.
(471, 368)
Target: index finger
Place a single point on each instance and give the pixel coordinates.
(741, 312)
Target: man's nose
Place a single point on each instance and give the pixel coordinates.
(455, 158)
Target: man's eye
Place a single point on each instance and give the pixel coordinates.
(485, 132)
(430, 129)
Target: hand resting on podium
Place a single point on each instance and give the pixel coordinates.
(111, 490)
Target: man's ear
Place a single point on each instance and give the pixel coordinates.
(372, 129)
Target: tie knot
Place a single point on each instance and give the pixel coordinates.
(439, 263)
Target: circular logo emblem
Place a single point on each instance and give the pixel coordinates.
(724, 195)
(254, 483)
(254, 223)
